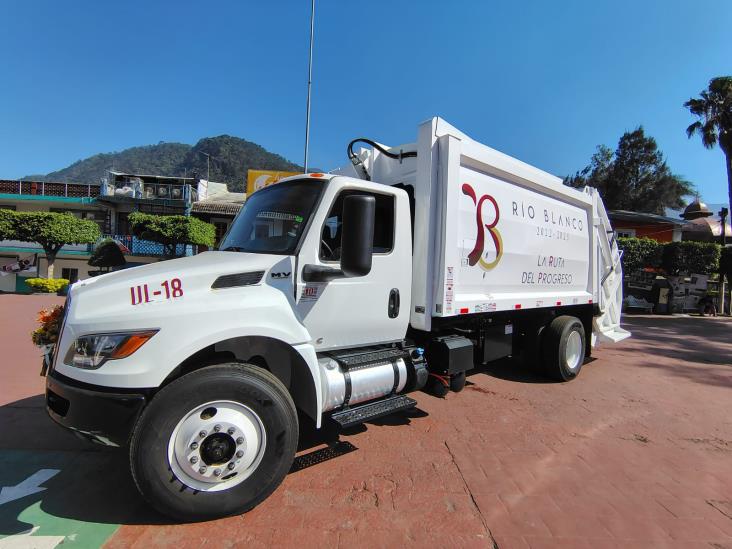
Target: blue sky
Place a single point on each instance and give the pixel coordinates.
(543, 81)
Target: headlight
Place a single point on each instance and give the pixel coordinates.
(91, 351)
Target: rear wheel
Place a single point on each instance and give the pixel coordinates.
(215, 442)
(457, 382)
(437, 385)
(563, 347)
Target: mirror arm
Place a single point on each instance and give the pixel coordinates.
(316, 273)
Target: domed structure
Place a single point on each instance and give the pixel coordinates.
(696, 210)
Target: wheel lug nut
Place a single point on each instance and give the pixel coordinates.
(231, 430)
(202, 434)
(202, 469)
(239, 454)
(217, 428)
(217, 472)
(240, 441)
(194, 445)
(194, 459)
(231, 465)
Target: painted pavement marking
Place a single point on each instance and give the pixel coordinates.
(61, 514)
(29, 486)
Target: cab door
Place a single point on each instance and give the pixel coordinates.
(351, 312)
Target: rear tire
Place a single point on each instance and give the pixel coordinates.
(436, 387)
(236, 422)
(563, 348)
(457, 382)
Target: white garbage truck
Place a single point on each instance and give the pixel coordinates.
(332, 297)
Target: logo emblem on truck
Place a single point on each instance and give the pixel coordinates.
(476, 256)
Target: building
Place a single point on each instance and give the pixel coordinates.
(704, 224)
(36, 196)
(640, 225)
(108, 204)
(219, 209)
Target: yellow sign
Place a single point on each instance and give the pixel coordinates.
(259, 179)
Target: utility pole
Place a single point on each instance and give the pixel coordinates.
(310, 81)
(722, 290)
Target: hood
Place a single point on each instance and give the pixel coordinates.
(118, 294)
(205, 263)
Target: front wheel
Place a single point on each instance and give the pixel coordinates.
(214, 442)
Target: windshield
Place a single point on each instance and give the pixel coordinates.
(273, 219)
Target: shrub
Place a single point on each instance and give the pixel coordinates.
(7, 218)
(690, 257)
(107, 254)
(640, 253)
(48, 285)
(673, 257)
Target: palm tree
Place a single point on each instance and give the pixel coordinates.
(714, 110)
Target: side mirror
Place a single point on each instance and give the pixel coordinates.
(357, 241)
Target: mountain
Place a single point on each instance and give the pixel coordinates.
(231, 157)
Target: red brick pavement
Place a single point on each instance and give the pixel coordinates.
(636, 452)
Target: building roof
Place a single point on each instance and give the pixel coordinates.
(696, 210)
(709, 226)
(153, 176)
(642, 217)
(221, 203)
(712, 206)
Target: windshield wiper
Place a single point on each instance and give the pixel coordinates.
(233, 249)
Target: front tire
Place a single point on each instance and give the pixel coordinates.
(214, 442)
(563, 345)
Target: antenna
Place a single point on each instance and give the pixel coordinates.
(310, 81)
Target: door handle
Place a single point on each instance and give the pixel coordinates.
(394, 303)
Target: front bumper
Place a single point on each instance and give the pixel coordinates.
(95, 413)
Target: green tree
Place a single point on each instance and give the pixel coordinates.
(634, 177)
(714, 125)
(52, 231)
(172, 230)
(106, 255)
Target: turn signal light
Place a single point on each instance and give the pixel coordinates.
(133, 343)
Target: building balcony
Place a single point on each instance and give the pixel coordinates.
(42, 190)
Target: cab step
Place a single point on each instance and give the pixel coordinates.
(366, 412)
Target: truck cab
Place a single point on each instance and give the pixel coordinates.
(310, 266)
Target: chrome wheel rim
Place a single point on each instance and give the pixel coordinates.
(216, 446)
(573, 350)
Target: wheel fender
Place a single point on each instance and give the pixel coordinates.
(295, 366)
